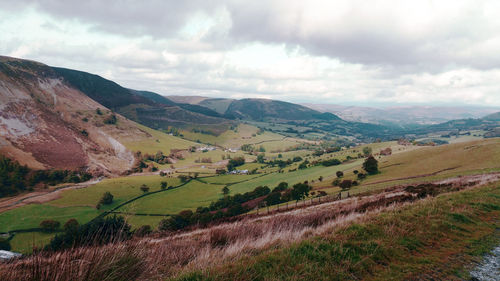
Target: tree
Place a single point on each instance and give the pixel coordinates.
(273, 198)
(339, 174)
(260, 158)
(355, 172)
(345, 184)
(144, 188)
(361, 176)
(371, 165)
(320, 178)
(282, 186)
(71, 225)
(235, 162)
(300, 191)
(225, 190)
(163, 184)
(107, 198)
(367, 150)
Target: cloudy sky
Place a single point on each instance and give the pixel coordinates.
(340, 52)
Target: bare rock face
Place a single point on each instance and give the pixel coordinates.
(46, 123)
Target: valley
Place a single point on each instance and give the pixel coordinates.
(298, 186)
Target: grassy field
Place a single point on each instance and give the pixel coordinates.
(30, 216)
(189, 196)
(123, 189)
(433, 239)
(291, 178)
(157, 142)
(458, 157)
(227, 179)
(243, 134)
(24, 242)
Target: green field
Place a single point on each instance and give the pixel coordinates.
(189, 196)
(123, 189)
(24, 242)
(157, 142)
(30, 216)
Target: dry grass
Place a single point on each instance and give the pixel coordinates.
(160, 257)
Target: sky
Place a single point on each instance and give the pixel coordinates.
(340, 52)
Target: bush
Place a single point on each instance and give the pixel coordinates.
(336, 182)
(107, 198)
(361, 176)
(50, 225)
(339, 174)
(300, 191)
(367, 150)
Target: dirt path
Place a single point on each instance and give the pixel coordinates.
(40, 196)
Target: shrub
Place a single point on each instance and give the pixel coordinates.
(367, 150)
(225, 190)
(107, 198)
(50, 225)
(300, 191)
(339, 174)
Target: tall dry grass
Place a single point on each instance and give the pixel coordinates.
(161, 256)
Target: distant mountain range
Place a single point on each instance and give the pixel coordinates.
(404, 115)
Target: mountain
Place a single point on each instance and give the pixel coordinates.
(47, 123)
(147, 108)
(264, 109)
(403, 115)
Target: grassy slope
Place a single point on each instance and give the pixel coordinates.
(30, 216)
(24, 242)
(190, 196)
(466, 157)
(157, 142)
(433, 238)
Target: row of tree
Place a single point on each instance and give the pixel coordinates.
(15, 178)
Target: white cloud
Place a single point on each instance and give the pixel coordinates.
(430, 52)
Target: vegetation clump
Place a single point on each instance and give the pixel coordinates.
(371, 165)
